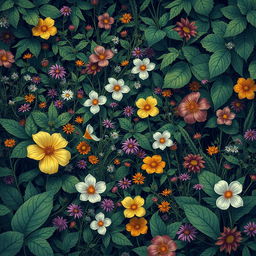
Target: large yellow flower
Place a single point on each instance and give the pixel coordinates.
(45, 28)
(147, 107)
(153, 164)
(245, 88)
(49, 151)
(133, 206)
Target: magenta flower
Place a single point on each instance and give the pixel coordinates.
(113, 104)
(60, 223)
(81, 164)
(124, 183)
(107, 205)
(158, 91)
(36, 79)
(198, 187)
(24, 108)
(128, 111)
(137, 52)
(130, 146)
(57, 72)
(108, 124)
(65, 11)
(250, 134)
(141, 153)
(186, 29)
(184, 177)
(52, 93)
(75, 210)
(187, 233)
(250, 229)
(58, 103)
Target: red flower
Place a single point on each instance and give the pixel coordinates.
(105, 21)
(186, 29)
(91, 68)
(194, 163)
(101, 56)
(225, 116)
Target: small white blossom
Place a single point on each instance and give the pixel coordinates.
(114, 135)
(142, 67)
(14, 76)
(115, 40)
(32, 88)
(117, 69)
(113, 147)
(27, 78)
(162, 140)
(67, 95)
(100, 223)
(94, 102)
(116, 88)
(110, 168)
(231, 149)
(5, 79)
(4, 23)
(114, 50)
(11, 102)
(137, 85)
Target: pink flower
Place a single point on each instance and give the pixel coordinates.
(101, 56)
(105, 21)
(193, 109)
(225, 116)
(194, 163)
(162, 245)
(186, 29)
(6, 58)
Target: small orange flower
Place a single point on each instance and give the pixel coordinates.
(93, 159)
(212, 150)
(164, 206)
(117, 161)
(79, 120)
(42, 105)
(124, 63)
(126, 18)
(29, 98)
(194, 86)
(153, 164)
(167, 93)
(9, 143)
(83, 148)
(27, 56)
(138, 178)
(166, 192)
(68, 128)
(127, 164)
(79, 63)
(197, 136)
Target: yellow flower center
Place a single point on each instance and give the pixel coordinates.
(134, 206)
(67, 95)
(44, 28)
(91, 190)
(143, 67)
(100, 223)
(137, 226)
(163, 248)
(106, 21)
(117, 87)
(186, 29)
(246, 88)
(147, 107)
(230, 239)
(193, 162)
(225, 116)
(162, 140)
(57, 71)
(93, 67)
(228, 194)
(4, 58)
(49, 150)
(153, 164)
(95, 102)
(192, 106)
(102, 57)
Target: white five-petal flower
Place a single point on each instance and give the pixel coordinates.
(90, 190)
(95, 101)
(142, 67)
(162, 140)
(228, 194)
(89, 133)
(100, 223)
(117, 88)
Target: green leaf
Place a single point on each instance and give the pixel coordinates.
(33, 213)
(53, 184)
(5, 172)
(213, 42)
(4, 210)
(250, 117)
(11, 243)
(157, 226)
(28, 176)
(125, 124)
(67, 53)
(31, 17)
(154, 35)
(10, 197)
(203, 219)
(68, 183)
(219, 27)
(237, 63)
(252, 69)
(42, 233)
(14, 17)
(7, 4)
(190, 53)
(24, 3)
(231, 159)
(48, 10)
(141, 251)
(251, 17)
(34, 46)
(208, 180)
(221, 91)
(231, 12)
(87, 235)
(219, 62)
(209, 251)
(14, 128)
(244, 45)
(175, 9)
(178, 76)
(141, 126)
(40, 247)
(30, 126)
(245, 5)
(235, 27)
(20, 151)
(184, 200)
(143, 141)
(120, 239)
(121, 172)
(172, 229)
(84, 5)
(230, 129)
(164, 19)
(200, 67)
(144, 5)
(40, 119)
(203, 7)
(63, 119)
(169, 58)
(30, 191)
(246, 252)
(52, 113)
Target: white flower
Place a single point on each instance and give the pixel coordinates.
(100, 223)
(27, 77)
(142, 67)
(110, 168)
(94, 102)
(11, 102)
(231, 149)
(114, 50)
(117, 69)
(137, 85)
(114, 135)
(162, 140)
(32, 87)
(229, 194)
(14, 76)
(113, 147)
(4, 23)
(90, 190)
(67, 95)
(115, 40)
(89, 133)
(117, 88)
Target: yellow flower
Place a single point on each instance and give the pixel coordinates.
(212, 150)
(45, 28)
(147, 107)
(245, 88)
(49, 151)
(133, 206)
(153, 164)
(137, 226)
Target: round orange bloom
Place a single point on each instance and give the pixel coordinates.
(124, 63)
(153, 164)
(245, 88)
(68, 128)
(117, 161)
(164, 206)
(194, 86)
(83, 148)
(29, 98)
(167, 93)
(166, 192)
(9, 143)
(79, 63)
(27, 56)
(93, 159)
(126, 18)
(79, 120)
(212, 150)
(138, 178)
(137, 226)
(42, 105)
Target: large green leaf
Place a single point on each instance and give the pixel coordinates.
(14, 17)
(14, 128)
(157, 226)
(230, 129)
(120, 239)
(231, 12)
(48, 10)
(68, 183)
(154, 35)
(11, 197)
(203, 7)
(11, 243)
(30, 126)
(208, 180)
(213, 43)
(172, 229)
(169, 58)
(143, 141)
(244, 45)
(20, 151)
(251, 17)
(40, 247)
(200, 67)
(4, 210)
(252, 69)
(40, 119)
(235, 27)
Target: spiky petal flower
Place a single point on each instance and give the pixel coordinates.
(57, 72)
(250, 134)
(130, 146)
(250, 229)
(65, 10)
(187, 233)
(194, 163)
(186, 29)
(75, 210)
(60, 223)
(124, 183)
(107, 205)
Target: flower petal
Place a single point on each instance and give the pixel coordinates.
(220, 187)
(94, 225)
(143, 75)
(222, 203)
(58, 141)
(126, 202)
(102, 230)
(35, 152)
(48, 165)
(95, 109)
(100, 216)
(140, 212)
(128, 213)
(84, 197)
(137, 62)
(100, 187)
(107, 222)
(63, 156)
(42, 139)
(90, 180)
(94, 198)
(236, 187)
(139, 201)
(93, 95)
(236, 201)
(49, 22)
(81, 187)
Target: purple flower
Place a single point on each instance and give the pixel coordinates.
(81, 164)
(65, 11)
(124, 183)
(250, 229)
(130, 146)
(75, 210)
(36, 79)
(149, 52)
(113, 104)
(128, 111)
(24, 108)
(107, 205)
(184, 177)
(187, 233)
(198, 187)
(108, 124)
(137, 52)
(250, 134)
(58, 103)
(52, 93)
(60, 223)
(158, 91)
(8, 179)
(57, 72)
(141, 153)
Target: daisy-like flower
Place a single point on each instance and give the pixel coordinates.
(108, 124)
(133, 206)
(9, 143)
(100, 223)
(187, 233)
(153, 164)
(138, 178)
(32, 88)
(141, 153)
(186, 29)
(92, 68)
(90, 190)
(142, 67)
(75, 210)
(162, 140)
(65, 10)
(147, 107)
(24, 108)
(89, 133)
(36, 79)
(94, 102)
(67, 95)
(107, 205)
(52, 93)
(250, 134)
(101, 56)
(124, 183)
(184, 177)
(212, 150)
(250, 229)
(164, 206)
(128, 111)
(57, 72)
(237, 105)
(137, 52)
(229, 240)
(198, 187)
(228, 194)
(231, 149)
(60, 223)
(225, 116)
(117, 88)
(81, 164)
(194, 163)
(58, 103)
(130, 146)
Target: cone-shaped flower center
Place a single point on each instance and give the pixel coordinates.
(193, 162)
(117, 87)
(186, 29)
(162, 140)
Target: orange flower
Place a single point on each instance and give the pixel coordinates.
(42, 105)
(29, 98)
(126, 18)
(153, 164)
(79, 63)
(93, 159)
(79, 120)
(124, 63)
(138, 178)
(167, 93)
(137, 226)
(9, 143)
(83, 148)
(212, 150)
(68, 128)
(164, 206)
(245, 88)
(166, 192)
(194, 86)
(117, 161)
(27, 56)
